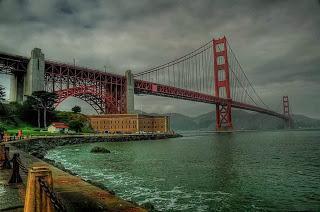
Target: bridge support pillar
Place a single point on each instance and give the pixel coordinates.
(129, 92)
(34, 79)
(286, 112)
(22, 85)
(222, 84)
(223, 117)
(16, 87)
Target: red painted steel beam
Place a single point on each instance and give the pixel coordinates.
(23, 61)
(145, 87)
(89, 72)
(245, 106)
(12, 63)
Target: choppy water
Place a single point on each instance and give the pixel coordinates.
(245, 171)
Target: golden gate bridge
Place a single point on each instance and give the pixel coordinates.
(210, 74)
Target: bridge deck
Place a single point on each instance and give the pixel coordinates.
(145, 87)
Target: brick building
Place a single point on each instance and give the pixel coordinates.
(129, 123)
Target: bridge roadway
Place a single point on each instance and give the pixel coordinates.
(145, 87)
(15, 63)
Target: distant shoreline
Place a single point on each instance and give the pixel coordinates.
(200, 132)
(38, 146)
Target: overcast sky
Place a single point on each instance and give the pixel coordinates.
(277, 42)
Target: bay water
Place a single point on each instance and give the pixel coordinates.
(239, 171)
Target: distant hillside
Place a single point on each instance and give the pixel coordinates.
(301, 121)
(241, 120)
(178, 121)
(182, 122)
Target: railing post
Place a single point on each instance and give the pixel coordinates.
(15, 177)
(36, 199)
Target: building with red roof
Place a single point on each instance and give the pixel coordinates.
(58, 127)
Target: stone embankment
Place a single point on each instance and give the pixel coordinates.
(75, 193)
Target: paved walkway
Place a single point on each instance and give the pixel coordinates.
(10, 198)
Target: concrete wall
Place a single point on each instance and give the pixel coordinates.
(16, 87)
(130, 92)
(13, 88)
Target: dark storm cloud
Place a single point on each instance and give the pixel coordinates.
(277, 42)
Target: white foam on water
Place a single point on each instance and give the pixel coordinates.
(133, 188)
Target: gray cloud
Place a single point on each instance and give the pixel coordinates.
(277, 42)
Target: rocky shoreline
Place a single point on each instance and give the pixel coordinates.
(38, 147)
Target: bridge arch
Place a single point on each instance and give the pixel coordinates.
(101, 102)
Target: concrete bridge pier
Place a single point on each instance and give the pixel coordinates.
(16, 87)
(33, 80)
(130, 92)
(286, 111)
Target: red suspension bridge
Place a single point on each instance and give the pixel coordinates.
(211, 74)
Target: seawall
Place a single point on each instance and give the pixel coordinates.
(75, 193)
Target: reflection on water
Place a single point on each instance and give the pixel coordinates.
(229, 171)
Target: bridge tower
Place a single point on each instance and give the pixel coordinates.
(23, 84)
(222, 84)
(286, 112)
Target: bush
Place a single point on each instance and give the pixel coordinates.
(76, 109)
(76, 125)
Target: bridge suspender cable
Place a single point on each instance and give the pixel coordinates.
(231, 50)
(173, 62)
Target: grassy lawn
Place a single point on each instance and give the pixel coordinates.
(37, 132)
(12, 127)
(29, 131)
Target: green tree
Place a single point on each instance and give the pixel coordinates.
(43, 100)
(32, 103)
(76, 125)
(76, 109)
(2, 128)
